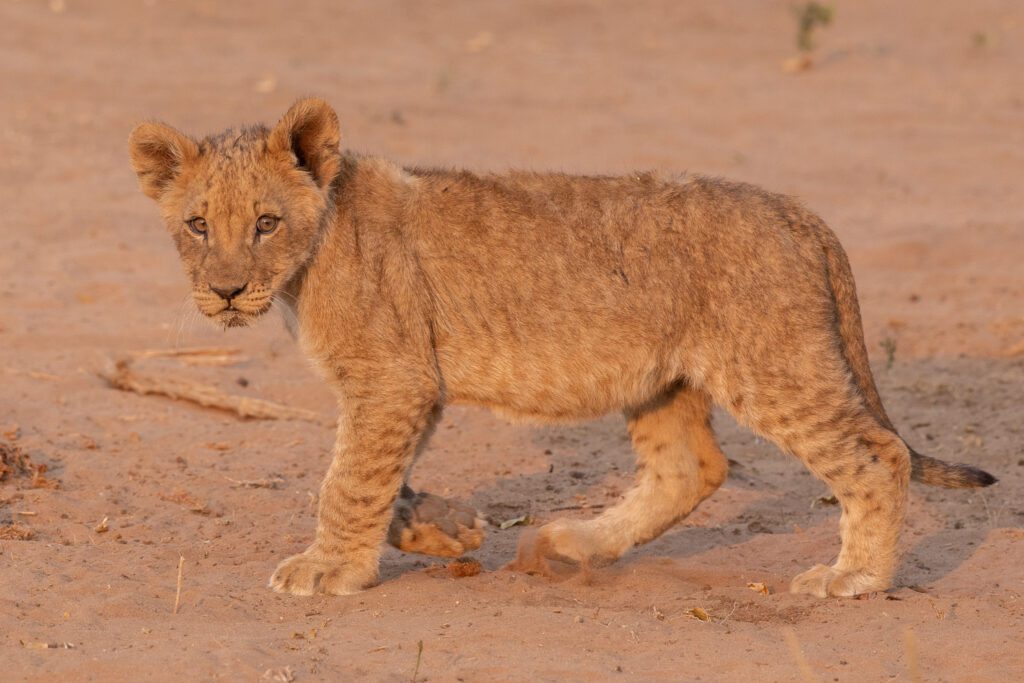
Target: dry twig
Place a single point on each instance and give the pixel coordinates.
(122, 376)
(196, 355)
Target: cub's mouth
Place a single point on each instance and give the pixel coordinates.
(235, 311)
(235, 315)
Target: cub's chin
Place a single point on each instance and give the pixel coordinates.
(234, 318)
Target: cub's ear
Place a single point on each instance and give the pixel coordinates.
(158, 153)
(309, 130)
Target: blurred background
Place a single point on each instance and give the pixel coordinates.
(901, 123)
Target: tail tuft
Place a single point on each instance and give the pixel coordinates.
(935, 472)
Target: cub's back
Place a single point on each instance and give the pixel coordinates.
(550, 285)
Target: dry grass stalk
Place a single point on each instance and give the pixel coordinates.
(794, 648)
(122, 376)
(177, 595)
(913, 663)
(419, 658)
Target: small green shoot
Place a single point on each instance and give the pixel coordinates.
(809, 17)
(889, 346)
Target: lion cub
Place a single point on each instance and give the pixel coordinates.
(542, 296)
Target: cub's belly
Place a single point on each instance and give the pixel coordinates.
(554, 384)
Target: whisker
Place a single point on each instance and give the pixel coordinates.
(181, 318)
(291, 320)
(287, 294)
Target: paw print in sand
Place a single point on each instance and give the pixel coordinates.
(432, 525)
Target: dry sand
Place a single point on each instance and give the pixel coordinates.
(906, 136)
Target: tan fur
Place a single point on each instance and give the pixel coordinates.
(541, 296)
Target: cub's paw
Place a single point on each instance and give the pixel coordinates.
(822, 582)
(431, 525)
(310, 572)
(570, 542)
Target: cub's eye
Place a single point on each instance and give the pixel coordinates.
(266, 224)
(197, 225)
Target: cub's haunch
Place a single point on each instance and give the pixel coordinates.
(543, 296)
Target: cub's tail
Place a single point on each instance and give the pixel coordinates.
(923, 468)
(935, 472)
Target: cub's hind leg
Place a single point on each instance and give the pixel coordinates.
(678, 465)
(868, 473)
(431, 525)
(822, 420)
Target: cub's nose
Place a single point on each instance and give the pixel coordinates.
(228, 292)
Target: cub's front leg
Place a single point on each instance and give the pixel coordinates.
(381, 427)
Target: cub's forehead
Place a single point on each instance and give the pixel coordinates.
(232, 158)
(231, 171)
(236, 143)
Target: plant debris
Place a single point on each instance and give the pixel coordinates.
(16, 532)
(824, 500)
(283, 674)
(268, 483)
(759, 587)
(47, 646)
(463, 567)
(699, 613)
(15, 462)
(515, 521)
(188, 501)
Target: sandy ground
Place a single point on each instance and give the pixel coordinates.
(906, 137)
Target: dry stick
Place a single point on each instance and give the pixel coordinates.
(177, 596)
(794, 647)
(121, 376)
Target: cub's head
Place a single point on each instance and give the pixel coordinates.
(245, 208)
